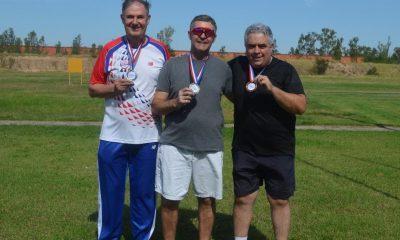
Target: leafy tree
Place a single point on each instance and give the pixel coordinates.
(310, 40)
(275, 49)
(10, 39)
(76, 45)
(337, 50)
(99, 47)
(379, 54)
(383, 51)
(7, 41)
(301, 46)
(329, 44)
(222, 51)
(165, 36)
(328, 41)
(354, 49)
(17, 45)
(396, 55)
(41, 44)
(33, 44)
(2, 43)
(397, 51)
(369, 54)
(306, 44)
(93, 50)
(58, 47)
(30, 42)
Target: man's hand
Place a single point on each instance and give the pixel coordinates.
(185, 96)
(263, 81)
(122, 85)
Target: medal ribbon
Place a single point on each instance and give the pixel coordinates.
(251, 73)
(133, 56)
(196, 78)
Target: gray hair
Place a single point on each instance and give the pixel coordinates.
(203, 18)
(145, 3)
(259, 28)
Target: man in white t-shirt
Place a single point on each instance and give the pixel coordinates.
(125, 75)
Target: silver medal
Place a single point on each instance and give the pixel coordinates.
(195, 88)
(132, 75)
(251, 86)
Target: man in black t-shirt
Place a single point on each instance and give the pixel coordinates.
(267, 95)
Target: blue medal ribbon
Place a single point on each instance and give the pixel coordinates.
(196, 78)
(133, 55)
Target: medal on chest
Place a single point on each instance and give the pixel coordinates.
(251, 85)
(195, 77)
(133, 57)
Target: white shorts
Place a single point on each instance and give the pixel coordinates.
(177, 166)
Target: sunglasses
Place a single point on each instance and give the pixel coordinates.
(199, 31)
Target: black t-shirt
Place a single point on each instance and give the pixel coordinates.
(262, 127)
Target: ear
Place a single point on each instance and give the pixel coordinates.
(189, 35)
(122, 18)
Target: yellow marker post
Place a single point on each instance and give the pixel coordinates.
(75, 65)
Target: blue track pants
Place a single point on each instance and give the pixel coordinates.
(114, 161)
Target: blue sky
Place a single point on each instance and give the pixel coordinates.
(98, 21)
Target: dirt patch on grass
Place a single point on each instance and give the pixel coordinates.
(305, 67)
(42, 63)
(337, 68)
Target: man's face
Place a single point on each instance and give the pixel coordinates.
(202, 36)
(258, 50)
(135, 19)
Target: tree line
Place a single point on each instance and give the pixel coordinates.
(324, 43)
(33, 44)
(327, 43)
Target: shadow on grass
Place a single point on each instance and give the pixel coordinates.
(389, 195)
(368, 161)
(187, 226)
(347, 116)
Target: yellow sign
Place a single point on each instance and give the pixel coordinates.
(75, 65)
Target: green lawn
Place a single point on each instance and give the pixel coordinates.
(46, 96)
(347, 182)
(333, 100)
(347, 187)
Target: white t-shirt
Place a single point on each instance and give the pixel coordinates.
(128, 117)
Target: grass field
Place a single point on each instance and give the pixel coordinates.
(347, 187)
(347, 182)
(333, 100)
